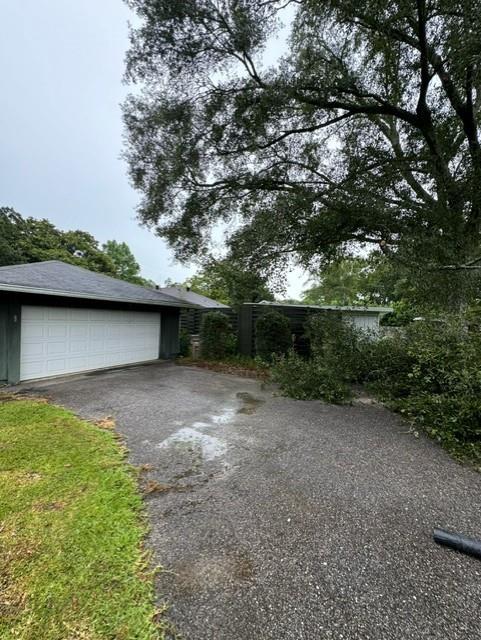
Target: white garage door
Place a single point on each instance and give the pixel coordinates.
(58, 340)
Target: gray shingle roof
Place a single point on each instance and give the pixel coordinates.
(193, 298)
(54, 277)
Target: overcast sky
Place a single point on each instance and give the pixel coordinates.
(61, 65)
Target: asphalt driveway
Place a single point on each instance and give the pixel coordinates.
(279, 519)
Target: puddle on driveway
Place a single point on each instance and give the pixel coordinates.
(210, 446)
(249, 403)
(225, 417)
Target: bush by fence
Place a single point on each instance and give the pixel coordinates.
(216, 336)
(184, 343)
(273, 335)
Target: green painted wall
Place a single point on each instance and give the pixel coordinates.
(3, 341)
(169, 333)
(10, 320)
(13, 342)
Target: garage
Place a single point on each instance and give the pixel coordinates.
(56, 340)
(59, 319)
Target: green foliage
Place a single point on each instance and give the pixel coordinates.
(30, 240)
(72, 531)
(308, 379)
(359, 281)
(339, 345)
(403, 313)
(24, 240)
(227, 282)
(394, 84)
(126, 266)
(184, 343)
(10, 250)
(273, 334)
(216, 337)
(431, 371)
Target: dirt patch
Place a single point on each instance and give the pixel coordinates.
(152, 486)
(20, 477)
(143, 468)
(105, 423)
(226, 367)
(13, 397)
(49, 506)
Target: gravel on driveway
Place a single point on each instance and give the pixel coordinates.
(280, 519)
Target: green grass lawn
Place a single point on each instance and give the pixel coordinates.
(71, 531)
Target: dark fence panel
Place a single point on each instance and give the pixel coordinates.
(190, 319)
(249, 313)
(244, 323)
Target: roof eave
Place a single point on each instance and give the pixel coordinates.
(91, 296)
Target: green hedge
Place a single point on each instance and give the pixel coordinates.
(184, 343)
(273, 335)
(216, 338)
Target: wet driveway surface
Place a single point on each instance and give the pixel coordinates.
(281, 519)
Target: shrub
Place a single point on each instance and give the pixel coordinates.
(184, 343)
(338, 357)
(273, 335)
(216, 338)
(431, 373)
(308, 379)
(388, 363)
(342, 347)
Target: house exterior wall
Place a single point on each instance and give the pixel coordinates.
(3, 342)
(10, 325)
(169, 333)
(364, 321)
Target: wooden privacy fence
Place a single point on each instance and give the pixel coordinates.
(244, 321)
(191, 319)
(249, 313)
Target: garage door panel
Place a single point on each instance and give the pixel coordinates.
(79, 346)
(56, 341)
(57, 330)
(56, 366)
(54, 313)
(57, 348)
(32, 331)
(32, 369)
(78, 330)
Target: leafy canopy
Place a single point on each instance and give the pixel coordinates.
(24, 240)
(125, 264)
(358, 281)
(364, 133)
(227, 282)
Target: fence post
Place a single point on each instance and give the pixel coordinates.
(244, 330)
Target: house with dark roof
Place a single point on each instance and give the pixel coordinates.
(57, 319)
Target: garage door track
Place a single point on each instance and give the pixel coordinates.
(278, 519)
